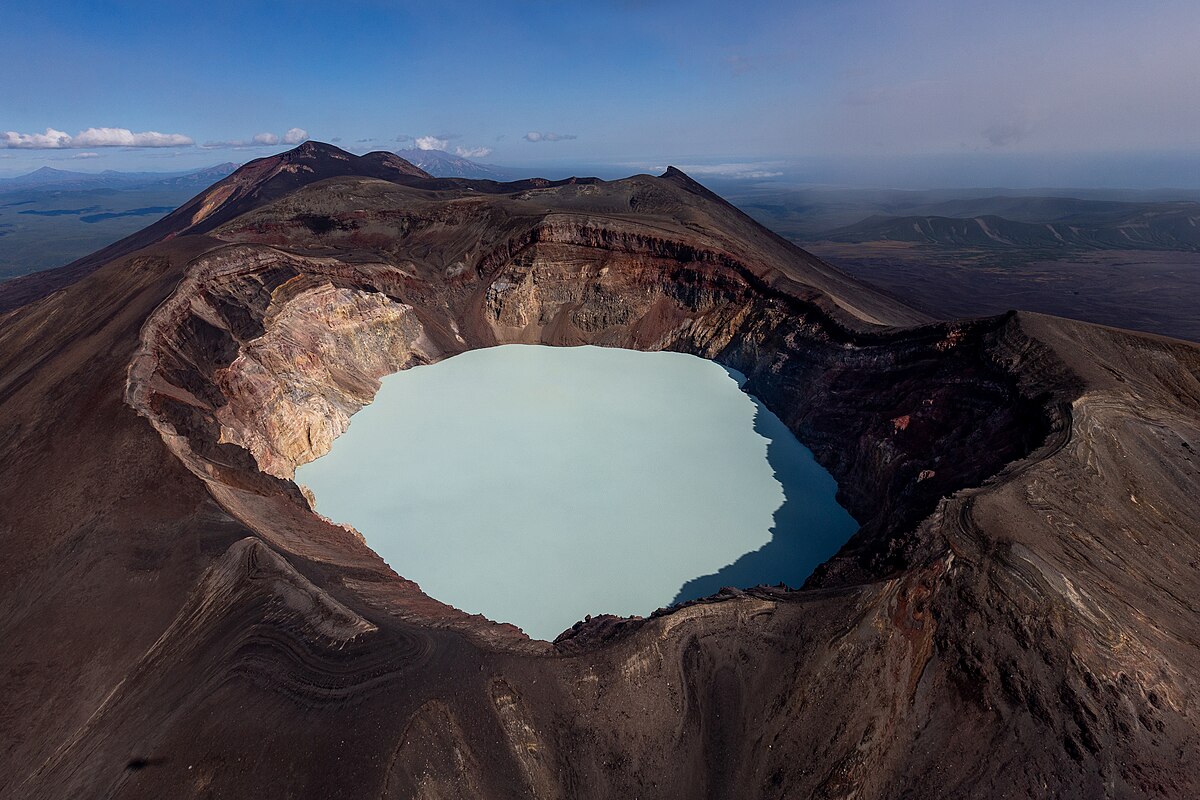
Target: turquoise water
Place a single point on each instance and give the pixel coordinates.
(535, 485)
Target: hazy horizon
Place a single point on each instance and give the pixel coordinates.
(1028, 171)
(935, 93)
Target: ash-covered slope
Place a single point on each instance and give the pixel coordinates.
(1016, 615)
(257, 182)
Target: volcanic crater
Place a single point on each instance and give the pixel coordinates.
(269, 352)
(1014, 613)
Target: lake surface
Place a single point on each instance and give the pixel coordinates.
(535, 485)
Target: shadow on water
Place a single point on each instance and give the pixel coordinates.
(809, 526)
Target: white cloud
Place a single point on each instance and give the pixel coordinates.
(473, 152)
(538, 136)
(122, 137)
(92, 137)
(51, 139)
(431, 143)
(265, 139)
(86, 155)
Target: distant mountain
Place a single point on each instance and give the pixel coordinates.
(252, 185)
(66, 180)
(201, 178)
(1065, 224)
(48, 178)
(1044, 209)
(441, 164)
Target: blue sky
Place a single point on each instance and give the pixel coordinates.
(630, 82)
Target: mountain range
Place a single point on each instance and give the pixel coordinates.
(58, 179)
(1045, 223)
(1116, 257)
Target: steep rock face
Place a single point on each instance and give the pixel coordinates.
(293, 389)
(281, 367)
(1015, 616)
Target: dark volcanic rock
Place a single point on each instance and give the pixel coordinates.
(1016, 616)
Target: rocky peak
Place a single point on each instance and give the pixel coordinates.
(315, 149)
(391, 161)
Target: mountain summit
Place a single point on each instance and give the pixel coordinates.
(448, 165)
(249, 186)
(265, 179)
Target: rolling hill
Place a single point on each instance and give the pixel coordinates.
(1079, 225)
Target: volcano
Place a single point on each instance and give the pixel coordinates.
(449, 165)
(1015, 616)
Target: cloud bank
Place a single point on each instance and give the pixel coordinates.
(441, 142)
(266, 139)
(538, 136)
(92, 137)
(431, 143)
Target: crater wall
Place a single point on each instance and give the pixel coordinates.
(271, 353)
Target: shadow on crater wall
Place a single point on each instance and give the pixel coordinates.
(809, 526)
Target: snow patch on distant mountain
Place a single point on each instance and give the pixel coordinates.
(441, 164)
